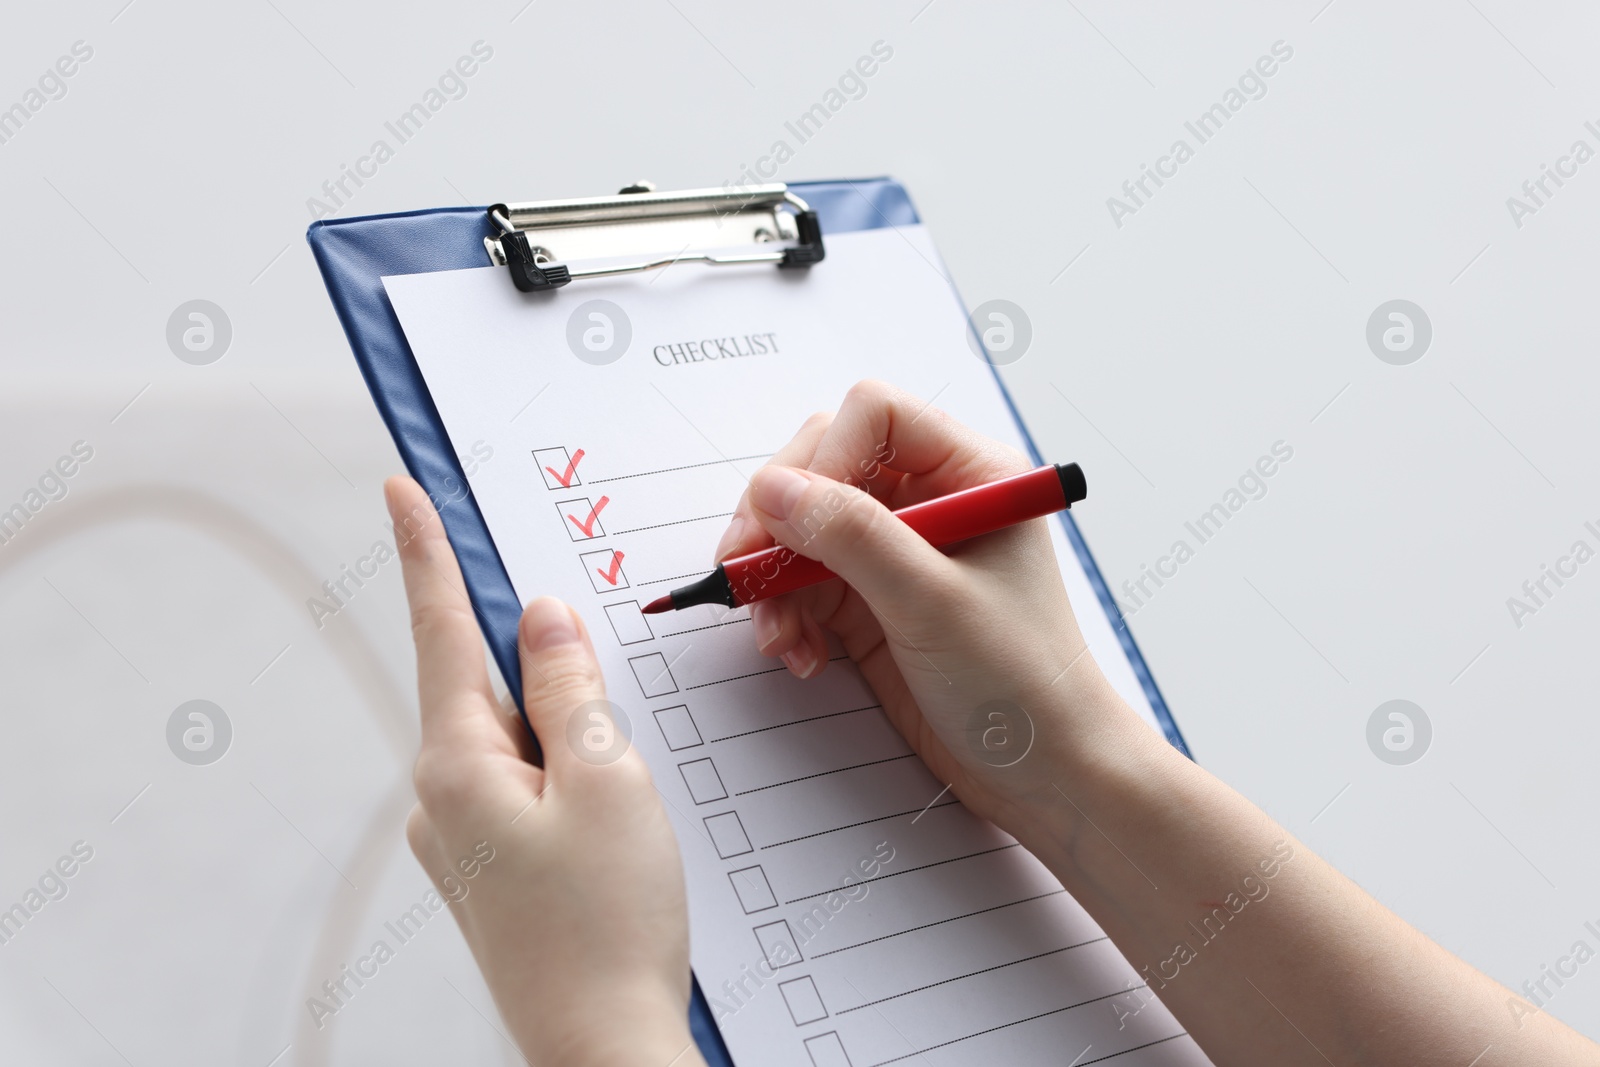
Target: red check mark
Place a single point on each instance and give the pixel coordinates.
(610, 574)
(587, 525)
(566, 478)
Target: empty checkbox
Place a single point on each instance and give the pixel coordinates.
(805, 1003)
(727, 834)
(705, 784)
(628, 622)
(778, 945)
(653, 674)
(753, 890)
(827, 1050)
(678, 727)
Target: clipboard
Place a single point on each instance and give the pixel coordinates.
(535, 242)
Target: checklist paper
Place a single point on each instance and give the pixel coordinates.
(845, 910)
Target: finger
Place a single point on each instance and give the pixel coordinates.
(452, 678)
(744, 534)
(776, 623)
(901, 575)
(560, 674)
(516, 729)
(841, 611)
(809, 655)
(881, 431)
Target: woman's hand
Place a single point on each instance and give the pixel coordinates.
(974, 651)
(564, 879)
(1153, 847)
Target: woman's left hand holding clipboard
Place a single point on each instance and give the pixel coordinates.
(565, 879)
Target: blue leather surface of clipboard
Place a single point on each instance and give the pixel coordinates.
(355, 254)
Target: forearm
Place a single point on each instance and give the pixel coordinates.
(1263, 951)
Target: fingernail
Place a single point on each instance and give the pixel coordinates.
(776, 490)
(548, 623)
(730, 538)
(802, 661)
(767, 622)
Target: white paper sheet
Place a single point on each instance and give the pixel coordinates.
(953, 945)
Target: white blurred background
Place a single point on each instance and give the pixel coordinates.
(1229, 312)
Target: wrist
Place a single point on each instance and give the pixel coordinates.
(650, 1046)
(1096, 756)
(619, 1032)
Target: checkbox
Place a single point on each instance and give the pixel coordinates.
(805, 1003)
(556, 464)
(581, 519)
(604, 570)
(653, 674)
(778, 945)
(755, 893)
(727, 834)
(678, 727)
(628, 623)
(705, 784)
(827, 1050)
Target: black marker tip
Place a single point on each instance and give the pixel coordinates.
(714, 588)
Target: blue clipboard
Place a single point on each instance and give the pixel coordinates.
(355, 254)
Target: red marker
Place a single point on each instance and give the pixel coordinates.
(941, 521)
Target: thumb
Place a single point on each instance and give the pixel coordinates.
(563, 692)
(853, 535)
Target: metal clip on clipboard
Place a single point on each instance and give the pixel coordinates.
(538, 240)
